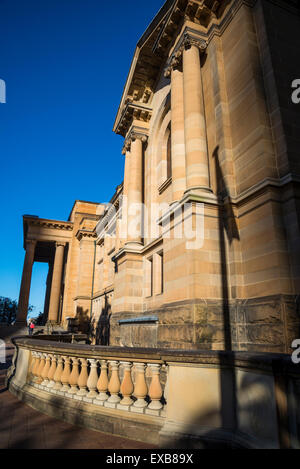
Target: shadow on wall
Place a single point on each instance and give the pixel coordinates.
(262, 420)
(100, 328)
(82, 319)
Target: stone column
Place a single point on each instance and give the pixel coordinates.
(197, 170)
(135, 188)
(124, 232)
(48, 291)
(26, 282)
(177, 129)
(56, 283)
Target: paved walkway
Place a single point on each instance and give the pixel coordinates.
(24, 428)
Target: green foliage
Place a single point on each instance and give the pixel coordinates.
(8, 310)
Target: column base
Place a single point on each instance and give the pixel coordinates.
(200, 194)
(134, 245)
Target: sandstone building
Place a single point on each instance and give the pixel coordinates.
(209, 124)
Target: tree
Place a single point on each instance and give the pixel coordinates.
(8, 310)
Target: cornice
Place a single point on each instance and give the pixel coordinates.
(52, 224)
(86, 234)
(133, 111)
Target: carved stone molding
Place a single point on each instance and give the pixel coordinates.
(30, 243)
(186, 41)
(85, 234)
(189, 41)
(135, 133)
(59, 243)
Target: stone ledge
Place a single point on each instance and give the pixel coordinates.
(139, 427)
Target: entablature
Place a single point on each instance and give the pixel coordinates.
(152, 53)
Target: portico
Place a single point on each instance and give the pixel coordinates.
(44, 241)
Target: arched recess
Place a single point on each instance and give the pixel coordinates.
(160, 141)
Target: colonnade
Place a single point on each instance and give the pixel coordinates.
(55, 292)
(190, 167)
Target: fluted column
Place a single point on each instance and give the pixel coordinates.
(177, 130)
(56, 283)
(135, 187)
(197, 171)
(26, 282)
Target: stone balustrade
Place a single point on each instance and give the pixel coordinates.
(116, 384)
(163, 397)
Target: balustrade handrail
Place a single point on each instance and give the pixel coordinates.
(251, 360)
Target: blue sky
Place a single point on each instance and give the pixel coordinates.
(65, 63)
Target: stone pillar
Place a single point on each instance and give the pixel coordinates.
(197, 170)
(135, 188)
(123, 231)
(48, 291)
(26, 282)
(177, 131)
(56, 283)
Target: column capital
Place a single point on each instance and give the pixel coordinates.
(30, 243)
(189, 41)
(174, 62)
(186, 41)
(60, 243)
(136, 133)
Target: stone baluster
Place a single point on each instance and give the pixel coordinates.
(36, 366)
(74, 376)
(127, 385)
(58, 374)
(93, 379)
(46, 370)
(41, 368)
(114, 383)
(65, 377)
(140, 388)
(51, 382)
(32, 366)
(155, 389)
(102, 384)
(83, 378)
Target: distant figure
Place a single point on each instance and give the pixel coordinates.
(31, 328)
